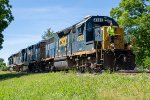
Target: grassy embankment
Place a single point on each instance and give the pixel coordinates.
(71, 86)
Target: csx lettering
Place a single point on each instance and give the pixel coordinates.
(62, 41)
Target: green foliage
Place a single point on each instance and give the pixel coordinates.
(147, 62)
(56, 86)
(5, 17)
(48, 34)
(3, 66)
(134, 16)
(1, 60)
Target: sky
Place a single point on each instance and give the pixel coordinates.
(33, 17)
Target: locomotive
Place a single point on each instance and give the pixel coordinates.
(84, 46)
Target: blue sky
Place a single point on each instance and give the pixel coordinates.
(33, 17)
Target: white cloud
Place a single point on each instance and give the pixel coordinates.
(30, 10)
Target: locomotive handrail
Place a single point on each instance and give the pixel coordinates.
(89, 42)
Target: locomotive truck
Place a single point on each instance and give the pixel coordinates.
(84, 46)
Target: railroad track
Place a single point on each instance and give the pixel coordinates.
(131, 72)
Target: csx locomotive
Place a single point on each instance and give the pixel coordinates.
(84, 46)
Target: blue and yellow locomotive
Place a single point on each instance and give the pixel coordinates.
(85, 46)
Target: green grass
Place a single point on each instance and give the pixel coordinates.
(71, 86)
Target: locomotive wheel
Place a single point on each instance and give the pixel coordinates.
(81, 69)
(77, 69)
(52, 69)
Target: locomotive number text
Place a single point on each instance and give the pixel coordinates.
(98, 20)
(80, 38)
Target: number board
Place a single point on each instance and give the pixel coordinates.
(98, 20)
(80, 38)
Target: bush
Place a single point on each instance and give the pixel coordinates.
(4, 68)
(147, 62)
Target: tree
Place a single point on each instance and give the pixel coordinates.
(48, 34)
(134, 17)
(147, 62)
(2, 62)
(3, 66)
(5, 17)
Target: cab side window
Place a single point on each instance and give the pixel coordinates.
(81, 29)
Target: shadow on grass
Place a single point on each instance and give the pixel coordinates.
(11, 75)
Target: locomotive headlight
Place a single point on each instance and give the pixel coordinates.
(112, 45)
(131, 47)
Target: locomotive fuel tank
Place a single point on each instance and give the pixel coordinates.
(62, 63)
